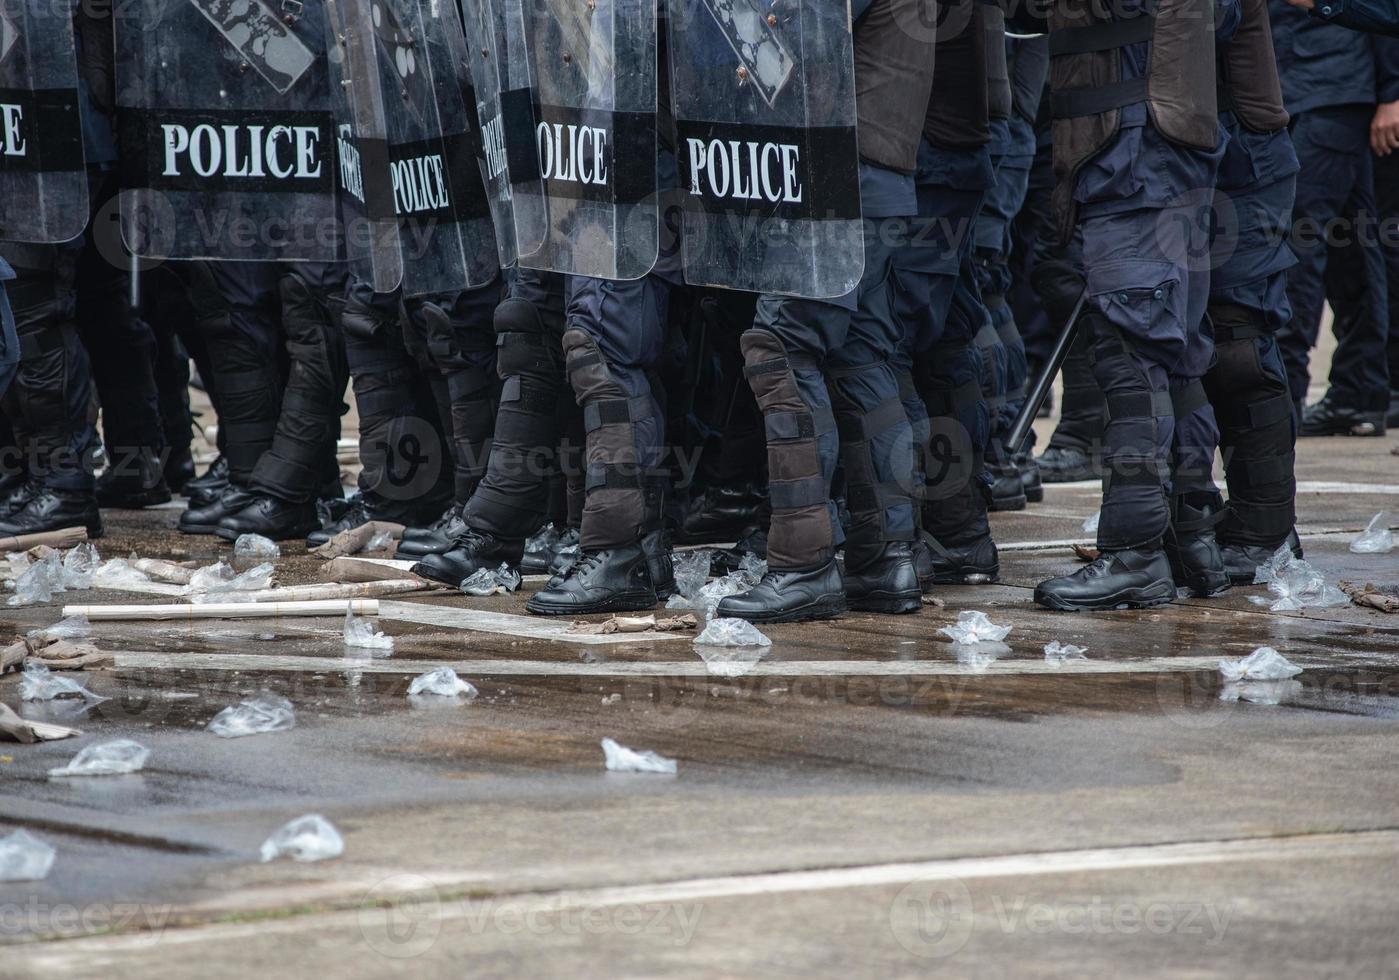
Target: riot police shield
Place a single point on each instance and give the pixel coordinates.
(224, 129)
(764, 102)
(498, 84)
(43, 175)
(594, 72)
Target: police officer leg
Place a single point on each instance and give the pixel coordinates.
(287, 478)
(236, 303)
(1195, 503)
(512, 498)
(461, 341)
(876, 445)
(50, 399)
(782, 356)
(614, 331)
(166, 307)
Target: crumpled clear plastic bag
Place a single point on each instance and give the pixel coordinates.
(489, 581)
(540, 546)
(255, 546)
(115, 573)
(38, 683)
(707, 599)
(1376, 539)
(979, 655)
(224, 586)
(24, 857)
(731, 661)
(442, 682)
(1295, 584)
(254, 716)
(383, 541)
(38, 582)
(72, 628)
(113, 758)
(972, 626)
(619, 758)
(1059, 653)
(691, 572)
(1090, 523)
(1261, 692)
(360, 633)
(80, 566)
(308, 838)
(211, 577)
(752, 568)
(1263, 664)
(731, 633)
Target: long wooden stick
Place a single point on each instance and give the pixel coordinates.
(337, 590)
(227, 610)
(62, 538)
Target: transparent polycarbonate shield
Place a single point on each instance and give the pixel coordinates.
(593, 69)
(764, 101)
(445, 230)
(497, 82)
(373, 240)
(224, 128)
(43, 176)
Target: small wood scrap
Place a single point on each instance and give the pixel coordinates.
(1385, 598)
(16, 729)
(934, 601)
(357, 539)
(634, 624)
(54, 654)
(1084, 553)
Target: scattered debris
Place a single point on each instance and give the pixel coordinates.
(1059, 653)
(38, 582)
(633, 624)
(255, 546)
(619, 758)
(730, 661)
(1383, 598)
(66, 655)
(691, 571)
(38, 683)
(1263, 664)
(118, 573)
(382, 541)
(250, 609)
(24, 857)
(160, 570)
(539, 547)
(1090, 524)
(71, 628)
(442, 682)
(356, 539)
(731, 633)
(254, 716)
(27, 732)
(308, 838)
(934, 601)
(1376, 539)
(973, 627)
(1295, 583)
(489, 581)
(80, 566)
(211, 577)
(65, 537)
(113, 758)
(611, 698)
(979, 655)
(1084, 553)
(360, 633)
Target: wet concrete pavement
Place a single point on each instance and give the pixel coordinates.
(860, 801)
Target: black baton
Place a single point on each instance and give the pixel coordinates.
(1039, 391)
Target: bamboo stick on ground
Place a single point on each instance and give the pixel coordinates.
(62, 538)
(225, 610)
(337, 590)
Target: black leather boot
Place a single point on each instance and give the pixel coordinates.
(720, 514)
(204, 490)
(1007, 492)
(1330, 418)
(353, 516)
(1241, 561)
(205, 520)
(1064, 464)
(1134, 578)
(790, 597)
(974, 562)
(660, 564)
(437, 538)
(133, 483)
(611, 580)
(271, 517)
(470, 553)
(1196, 562)
(17, 495)
(50, 510)
(179, 468)
(887, 583)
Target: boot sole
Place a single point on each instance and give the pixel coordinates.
(197, 528)
(1069, 476)
(821, 609)
(136, 502)
(974, 576)
(1126, 599)
(889, 603)
(622, 602)
(1009, 503)
(228, 534)
(1034, 495)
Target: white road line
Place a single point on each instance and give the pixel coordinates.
(1330, 486)
(423, 891)
(508, 624)
(697, 667)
